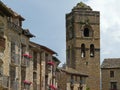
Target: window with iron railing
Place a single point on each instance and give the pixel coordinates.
(1, 69)
(35, 60)
(25, 61)
(15, 58)
(23, 76)
(25, 58)
(1, 28)
(4, 81)
(12, 76)
(35, 80)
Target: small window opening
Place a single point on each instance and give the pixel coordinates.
(83, 50)
(91, 50)
(86, 32)
(111, 73)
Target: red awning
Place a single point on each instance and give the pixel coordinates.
(27, 55)
(51, 63)
(52, 87)
(27, 82)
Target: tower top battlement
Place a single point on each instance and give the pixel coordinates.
(82, 6)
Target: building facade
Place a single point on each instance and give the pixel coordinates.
(15, 55)
(83, 43)
(23, 64)
(70, 79)
(110, 70)
(44, 67)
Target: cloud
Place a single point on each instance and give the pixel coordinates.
(110, 26)
(45, 17)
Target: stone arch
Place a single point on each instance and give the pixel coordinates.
(87, 31)
(82, 50)
(92, 52)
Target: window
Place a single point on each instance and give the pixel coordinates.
(86, 32)
(83, 50)
(13, 47)
(23, 76)
(75, 78)
(1, 68)
(35, 80)
(12, 76)
(1, 26)
(91, 50)
(72, 79)
(111, 73)
(113, 85)
(35, 60)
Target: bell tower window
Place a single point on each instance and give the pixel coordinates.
(91, 50)
(83, 50)
(86, 32)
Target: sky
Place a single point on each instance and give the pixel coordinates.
(46, 20)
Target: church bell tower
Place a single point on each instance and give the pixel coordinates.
(83, 43)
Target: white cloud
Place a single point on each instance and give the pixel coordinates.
(110, 26)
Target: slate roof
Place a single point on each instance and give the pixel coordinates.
(74, 72)
(111, 63)
(44, 47)
(8, 11)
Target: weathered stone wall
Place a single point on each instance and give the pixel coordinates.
(106, 79)
(76, 21)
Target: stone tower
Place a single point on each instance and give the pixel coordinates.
(83, 43)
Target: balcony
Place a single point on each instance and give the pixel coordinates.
(2, 42)
(14, 85)
(15, 59)
(24, 62)
(4, 81)
(50, 63)
(15, 27)
(35, 64)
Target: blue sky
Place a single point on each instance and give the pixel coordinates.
(46, 20)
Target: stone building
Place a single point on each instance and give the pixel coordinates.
(70, 79)
(44, 67)
(24, 65)
(36, 65)
(83, 43)
(15, 52)
(110, 70)
(48, 68)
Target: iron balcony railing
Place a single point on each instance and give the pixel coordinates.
(14, 85)
(15, 59)
(25, 61)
